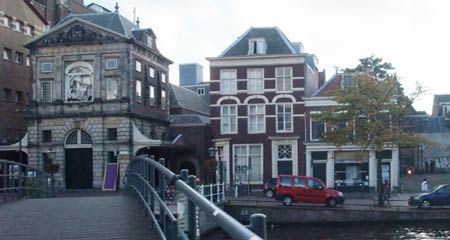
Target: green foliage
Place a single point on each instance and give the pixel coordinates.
(372, 112)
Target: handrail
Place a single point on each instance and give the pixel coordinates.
(142, 178)
(15, 182)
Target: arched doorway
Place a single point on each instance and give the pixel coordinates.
(189, 166)
(78, 165)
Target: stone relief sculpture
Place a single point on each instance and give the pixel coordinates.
(76, 34)
(79, 82)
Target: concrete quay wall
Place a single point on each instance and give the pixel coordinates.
(281, 215)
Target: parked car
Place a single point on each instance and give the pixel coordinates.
(269, 187)
(439, 196)
(291, 189)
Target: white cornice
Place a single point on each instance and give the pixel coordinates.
(256, 60)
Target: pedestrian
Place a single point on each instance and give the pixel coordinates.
(386, 192)
(424, 185)
(432, 165)
(426, 166)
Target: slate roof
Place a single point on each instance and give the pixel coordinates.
(277, 42)
(109, 20)
(189, 119)
(188, 99)
(429, 124)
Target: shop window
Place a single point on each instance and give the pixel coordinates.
(248, 158)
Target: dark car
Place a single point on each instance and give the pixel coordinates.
(439, 196)
(269, 187)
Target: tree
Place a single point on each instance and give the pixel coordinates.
(371, 112)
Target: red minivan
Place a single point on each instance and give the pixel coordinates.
(291, 189)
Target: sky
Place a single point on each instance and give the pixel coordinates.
(413, 35)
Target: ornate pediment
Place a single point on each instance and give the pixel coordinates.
(76, 33)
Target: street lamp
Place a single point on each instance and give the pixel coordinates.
(212, 153)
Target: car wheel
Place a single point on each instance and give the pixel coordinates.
(331, 202)
(425, 204)
(287, 201)
(269, 193)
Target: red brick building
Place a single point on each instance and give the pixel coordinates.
(257, 86)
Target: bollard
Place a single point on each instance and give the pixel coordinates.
(258, 225)
(192, 211)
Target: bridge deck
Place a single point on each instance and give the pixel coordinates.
(96, 217)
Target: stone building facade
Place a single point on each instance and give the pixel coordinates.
(100, 89)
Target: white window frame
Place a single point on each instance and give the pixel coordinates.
(294, 145)
(7, 54)
(163, 99)
(257, 115)
(255, 84)
(138, 90)
(114, 61)
(284, 117)
(8, 21)
(151, 72)
(201, 91)
(230, 117)
(43, 98)
(258, 44)
(138, 66)
(48, 64)
(247, 155)
(311, 129)
(163, 77)
(228, 82)
(150, 41)
(285, 77)
(151, 95)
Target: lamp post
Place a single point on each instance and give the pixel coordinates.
(212, 153)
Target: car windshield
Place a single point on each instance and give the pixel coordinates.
(437, 188)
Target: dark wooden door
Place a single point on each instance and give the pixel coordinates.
(78, 168)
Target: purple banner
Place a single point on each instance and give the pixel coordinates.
(110, 178)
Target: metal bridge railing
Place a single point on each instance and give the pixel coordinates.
(19, 181)
(149, 179)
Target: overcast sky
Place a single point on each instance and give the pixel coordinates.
(414, 35)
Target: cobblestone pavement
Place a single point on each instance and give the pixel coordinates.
(96, 217)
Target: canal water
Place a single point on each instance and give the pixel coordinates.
(356, 231)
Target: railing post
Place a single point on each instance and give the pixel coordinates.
(258, 225)
(192, 211)
(162, 192)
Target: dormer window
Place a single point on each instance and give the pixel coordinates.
(257, 46)
(347, 81)
(149, 42)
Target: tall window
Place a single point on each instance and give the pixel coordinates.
(149, 42)
(248, 158)
(151, 95)
(27, 61)
(112, 88)
(163, 77)
(8, 21)
(31, 31)
(317, 129)
(111, 134)
(7, 54)
(256, 118)
(46, 91)
(46, 135)
(163, 99)
(20, 26)
(284, 159)
(19, 97)
(228, 81)
(138, 66)
(228, 119)
(19, 58)
(138, 90)
(284, 117)
(284, 79)
(7, 95)
(255, 80)
(151, 72)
